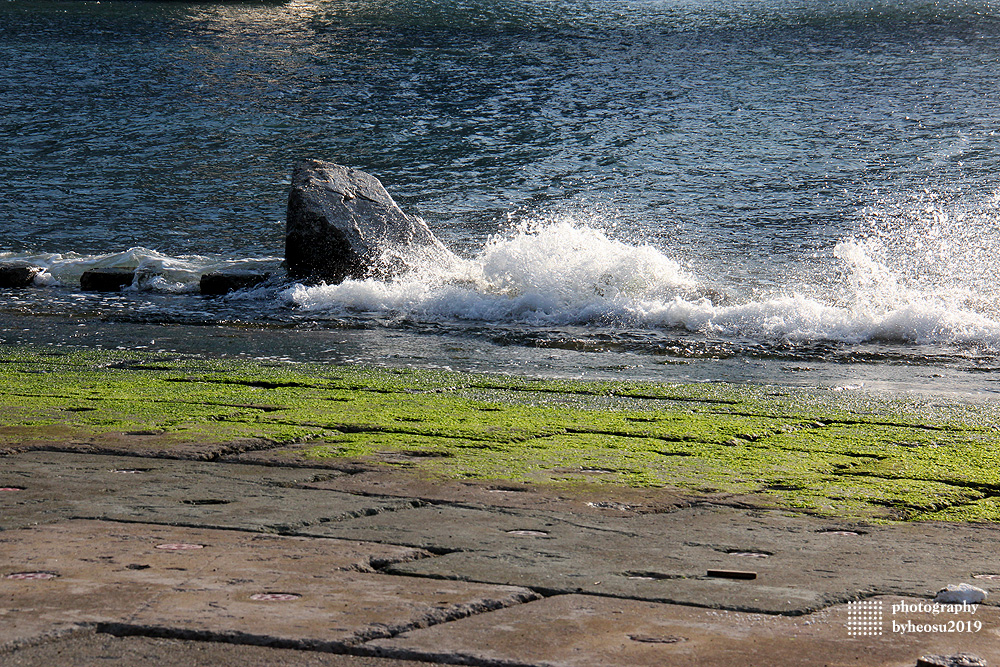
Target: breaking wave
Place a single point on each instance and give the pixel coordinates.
(561, 271)
(552, 272)
(921, 273)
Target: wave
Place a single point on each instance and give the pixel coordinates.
(920, 275)
(560, 271)
(552, 272)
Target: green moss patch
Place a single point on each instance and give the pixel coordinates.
(850, 454)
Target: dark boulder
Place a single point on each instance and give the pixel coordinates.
(18, 274)
(223, 282)
(106, 279)
(343, 224)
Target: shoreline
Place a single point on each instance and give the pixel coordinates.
(567, 356)
(639, 445)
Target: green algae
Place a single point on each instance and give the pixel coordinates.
(847, 454)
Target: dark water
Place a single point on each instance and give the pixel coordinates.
(762, 190)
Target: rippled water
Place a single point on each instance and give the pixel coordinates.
(770, 190)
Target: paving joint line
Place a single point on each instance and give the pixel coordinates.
(545, 592)
(123, 630)
(100, 450)
(351, 646)
(376, 565)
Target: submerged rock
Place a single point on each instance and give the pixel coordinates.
(18, 274)
(341, 223)
(223, 282)
(106, 279)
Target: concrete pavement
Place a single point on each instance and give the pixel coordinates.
(124, 560)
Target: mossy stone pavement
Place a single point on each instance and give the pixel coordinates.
(172, 510)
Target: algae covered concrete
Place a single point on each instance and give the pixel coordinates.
(846, 453)
(108, 557)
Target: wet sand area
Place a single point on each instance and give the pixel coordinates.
(179, 511)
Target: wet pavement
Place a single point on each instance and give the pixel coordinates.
(123, 560)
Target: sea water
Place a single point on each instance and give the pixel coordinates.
(787, 191)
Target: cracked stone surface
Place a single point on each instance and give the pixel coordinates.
(61, 485)
(219, 584)
(335, 611)
(801, 563)
(86, 649)
(585, 631)
(583, 498)
(446, 578)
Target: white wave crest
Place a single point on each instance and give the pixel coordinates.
(554, 272)
(559, 271)
(933, 283)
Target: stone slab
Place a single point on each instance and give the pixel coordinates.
(216, 584)
(87, 649)
(18, 274)
(54, 486)
(585, 631)
(801, 563)
(107, 279)
(329, 612)
(599, 499)
(104, 572)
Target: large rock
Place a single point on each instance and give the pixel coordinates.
(343, 224)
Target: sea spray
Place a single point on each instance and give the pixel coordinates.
(552, 271)
(925, 245)
(896, 281)
(925, 271)
(561, 271)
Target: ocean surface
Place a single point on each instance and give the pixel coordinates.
(781, 191)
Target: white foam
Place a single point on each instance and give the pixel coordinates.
(922, 277)
(561, 271)
(555, 272)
